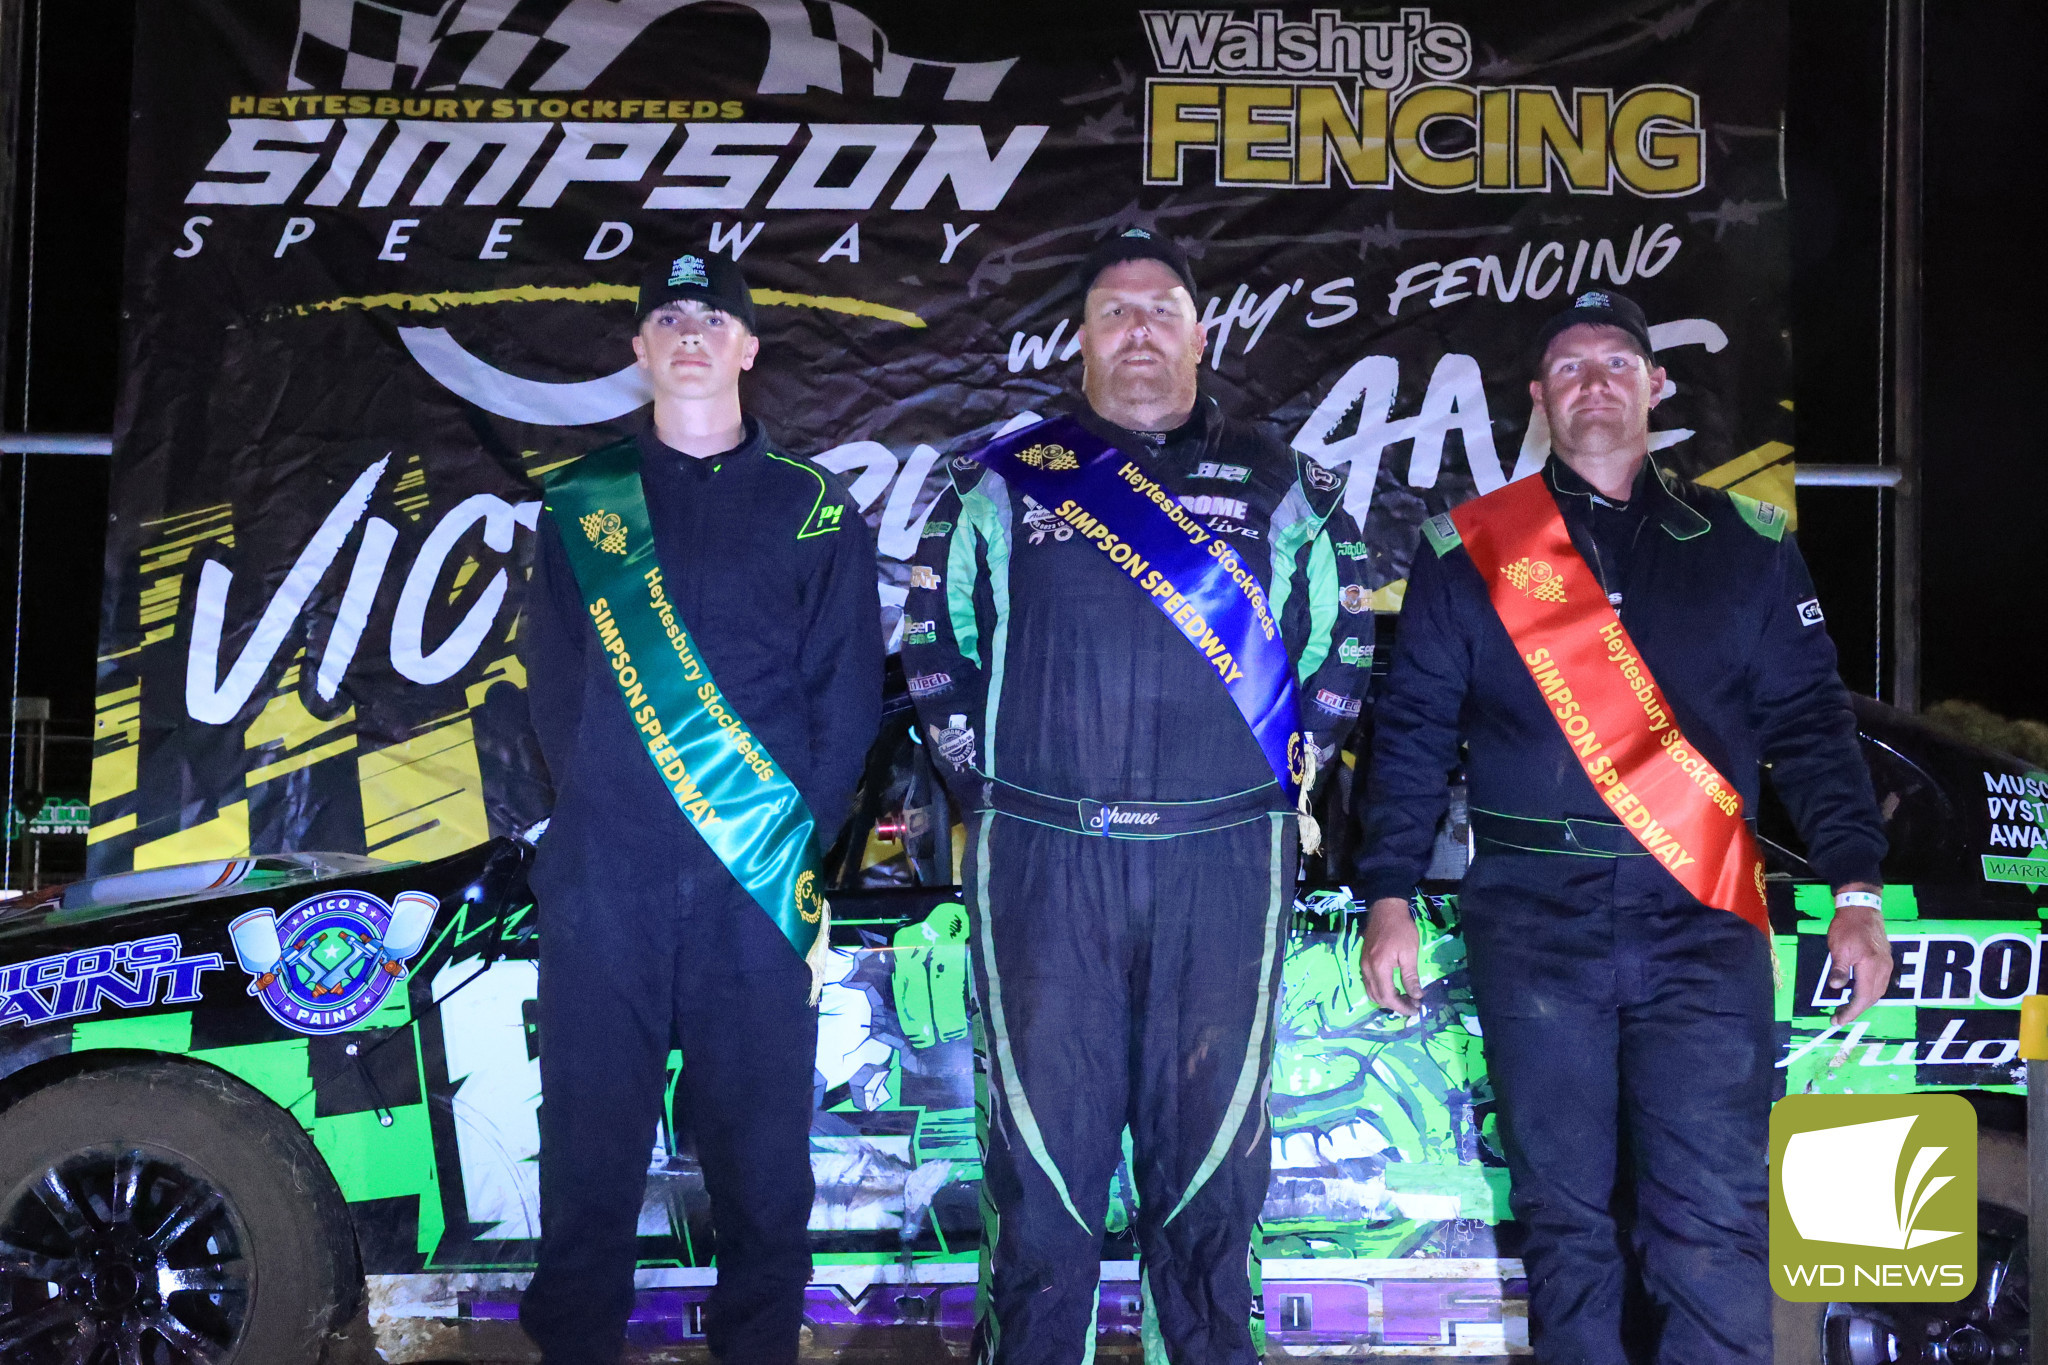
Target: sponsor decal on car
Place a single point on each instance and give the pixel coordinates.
(2018, 807)
(134, 975)
(327, 962)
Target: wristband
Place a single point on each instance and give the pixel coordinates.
(1869, 900)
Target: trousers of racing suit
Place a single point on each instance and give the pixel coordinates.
(625, 977)
(1126, 982)
(1144, 972)
(1606, 992)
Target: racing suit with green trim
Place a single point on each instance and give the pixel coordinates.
(1130, 874)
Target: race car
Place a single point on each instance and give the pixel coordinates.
(242, 1100)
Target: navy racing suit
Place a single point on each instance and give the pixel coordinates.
(1612, 1002)
(1130, 875)
(648, 943)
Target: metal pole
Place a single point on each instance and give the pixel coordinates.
(10, 104)
(1903, 183)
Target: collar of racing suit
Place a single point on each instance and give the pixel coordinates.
(1199, 429)
(654, 450)
(1653, 496)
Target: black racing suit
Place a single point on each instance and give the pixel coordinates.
(1125, 981)
(647, 942)
(1612, 1001)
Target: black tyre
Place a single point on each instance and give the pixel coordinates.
(158, 1213)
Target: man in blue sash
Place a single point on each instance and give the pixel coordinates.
(1614, 1001)
(1084, 655)
(704, 667)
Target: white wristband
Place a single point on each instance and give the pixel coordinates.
(1869, 900)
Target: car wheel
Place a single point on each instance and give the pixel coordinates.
(160, 1213)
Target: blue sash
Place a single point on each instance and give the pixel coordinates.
(1193, 576)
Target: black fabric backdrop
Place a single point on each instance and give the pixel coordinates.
(378, 280)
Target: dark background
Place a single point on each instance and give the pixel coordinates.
(1986, 481)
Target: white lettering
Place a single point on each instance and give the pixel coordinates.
(213, 700)
(408, 623)
(573, 162)
(244, 154)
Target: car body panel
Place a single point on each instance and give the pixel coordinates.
(1385, 1226)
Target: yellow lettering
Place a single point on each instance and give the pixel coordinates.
(1657, 141)
(1249, 126)
(1544, 134)
(1419, 165)
(1177, 117)
(1326, 131)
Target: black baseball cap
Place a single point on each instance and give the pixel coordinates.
(714, 279)
(1136, 244)
(1602, 307)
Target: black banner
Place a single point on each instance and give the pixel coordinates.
(379, 279)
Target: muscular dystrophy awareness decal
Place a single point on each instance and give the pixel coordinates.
(330, 960)
(1600, 690)
(722, 777)
(1190, 573)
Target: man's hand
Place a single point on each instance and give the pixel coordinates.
(1388, 959)
(1862, 955)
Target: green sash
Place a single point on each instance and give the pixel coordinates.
(722, 778)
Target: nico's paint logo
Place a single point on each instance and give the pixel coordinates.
(329, 961)
(688, 270)
(1873, 1198)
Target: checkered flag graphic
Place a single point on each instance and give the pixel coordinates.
(548, 45)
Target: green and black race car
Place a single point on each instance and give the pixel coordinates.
(241, 1100)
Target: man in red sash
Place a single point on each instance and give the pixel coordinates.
(1621, 652)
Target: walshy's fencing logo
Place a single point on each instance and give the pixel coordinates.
(1873, 1198)
(327, 962)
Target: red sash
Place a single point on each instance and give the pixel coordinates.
(1600, 691)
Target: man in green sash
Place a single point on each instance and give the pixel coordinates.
(1131, 860)
(703, 651)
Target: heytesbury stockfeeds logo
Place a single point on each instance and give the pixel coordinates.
(1873, 1198)
(327, 962)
